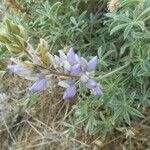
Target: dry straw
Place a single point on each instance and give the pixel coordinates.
(112, 5)
(12, 6)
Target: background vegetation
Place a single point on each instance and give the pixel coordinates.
(118, 32)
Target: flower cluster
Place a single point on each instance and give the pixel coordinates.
(40, 66)
(78, 69)
(70, 69)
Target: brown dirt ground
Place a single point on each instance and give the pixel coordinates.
(39, 122)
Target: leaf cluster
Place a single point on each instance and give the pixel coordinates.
(121, 39)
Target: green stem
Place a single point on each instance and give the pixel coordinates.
(112, 72)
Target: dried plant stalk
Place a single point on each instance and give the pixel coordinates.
(12, 6)
(113, 5)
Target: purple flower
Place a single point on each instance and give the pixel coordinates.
(92, 64)
(96, 91)
(20, 70)
(75, 70)
(91, 84)
(71, 56)
(39, 85)
(70, 66)
(70, 92)
(16, 68)
(69, 82)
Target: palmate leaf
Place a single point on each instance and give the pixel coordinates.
(91, 123)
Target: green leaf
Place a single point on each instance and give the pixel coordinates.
(143, 13)
(127, 117)
(117, 114)
(115, 103)
(73, 20)
(2, 51)
(117, 28)
(141, 25)
(124, 47)
(118, 17)
(14, 48)
(128, 3)
(20, 41)
(56, 6)
(4, 38)
(8, 24)
(135, 112)
(127, 31)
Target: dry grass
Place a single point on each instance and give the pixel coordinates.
(40, 122)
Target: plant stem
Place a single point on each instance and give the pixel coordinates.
(112, 72)
(55, 72)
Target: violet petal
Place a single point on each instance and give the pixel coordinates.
(71, 56)
(38, 85)
(96, 91)
(69, 82)
(75, 70)
(16, 68)
(70, 92)
(92, 64)
(91, 83)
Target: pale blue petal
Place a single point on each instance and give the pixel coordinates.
(91, 83)
(39, 85)
(92, 64)
(16, 68)
(75, 70)
(69, 82)
(71, 56)
(96, 91)
(70, 92)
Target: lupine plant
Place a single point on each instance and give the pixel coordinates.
(40, 66)
(117, 32)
